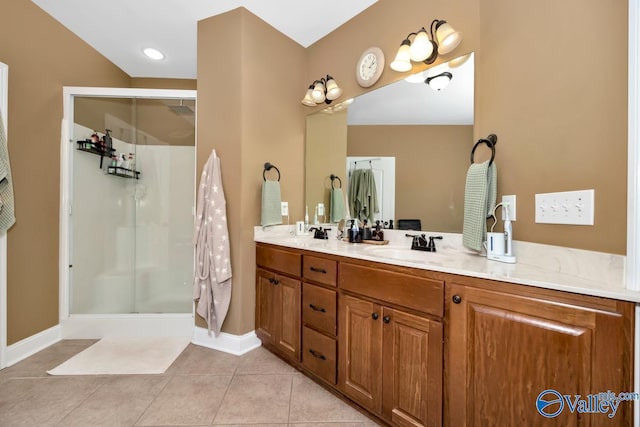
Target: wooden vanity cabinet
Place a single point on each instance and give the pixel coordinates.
(421, 348)
(390, 360)
(319, 322)
(278, 298)
(506, 344)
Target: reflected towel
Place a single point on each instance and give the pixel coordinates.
(271, 204)
(480, 194)
(7, 214)
(337, 205)
(363, 198)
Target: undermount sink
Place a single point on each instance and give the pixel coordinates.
(406, 254)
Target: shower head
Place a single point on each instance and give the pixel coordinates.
(181, 109)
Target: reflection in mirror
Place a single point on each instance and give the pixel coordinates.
(427, 133)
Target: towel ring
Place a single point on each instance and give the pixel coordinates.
(491, 142)
(334, 177)
(267, 167)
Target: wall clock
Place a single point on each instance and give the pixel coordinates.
(370, 66)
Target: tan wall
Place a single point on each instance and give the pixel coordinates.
(252, 105)
(325, 153)
(558, 108)
(40, 63)
(158, 83)
(431, 166)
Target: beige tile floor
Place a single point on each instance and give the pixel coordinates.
(202, 387)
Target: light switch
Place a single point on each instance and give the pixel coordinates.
(284, 208)
(567, 207)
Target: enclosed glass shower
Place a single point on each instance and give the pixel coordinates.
(131, 190)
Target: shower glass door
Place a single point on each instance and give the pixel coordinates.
(132, 191)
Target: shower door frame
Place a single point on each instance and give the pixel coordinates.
(94, 326)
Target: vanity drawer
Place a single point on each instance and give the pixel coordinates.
(279, 260)
(319, 270)
(319, 308)
(418, 293)
(319, 354)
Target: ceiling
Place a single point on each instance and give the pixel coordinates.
(121, 29)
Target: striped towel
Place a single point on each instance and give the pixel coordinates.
(337, 205)
(7, 214)
(271, 204)
(480, 194)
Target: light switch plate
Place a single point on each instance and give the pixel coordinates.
(284, 206)
(567, 207)
(320, 209)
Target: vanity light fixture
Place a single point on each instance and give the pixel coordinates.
(439, 81)
(441, 39)
(324, 90)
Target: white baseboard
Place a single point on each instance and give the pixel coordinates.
(233, 344)
(33, 344)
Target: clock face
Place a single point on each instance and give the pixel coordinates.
(370, 67)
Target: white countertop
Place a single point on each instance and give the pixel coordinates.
(544, 266)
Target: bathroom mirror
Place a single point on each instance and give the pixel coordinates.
(427, 133)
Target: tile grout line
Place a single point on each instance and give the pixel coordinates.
(224, 396)
(170, 377)
(103, 381)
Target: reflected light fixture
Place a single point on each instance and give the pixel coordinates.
(441, 39)
(439, 81)
(324, 90)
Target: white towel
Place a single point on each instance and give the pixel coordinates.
(479, 201)
(271, 203)
(212, 281)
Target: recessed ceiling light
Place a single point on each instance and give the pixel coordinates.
(153, 53)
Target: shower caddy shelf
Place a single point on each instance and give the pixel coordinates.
(89, 147)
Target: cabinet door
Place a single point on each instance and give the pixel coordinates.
(360, 349)
(412, 369)
(504, 350)
(278, 312)
(289, 316)
(266, 306)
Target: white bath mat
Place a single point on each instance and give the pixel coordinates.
(124, 355)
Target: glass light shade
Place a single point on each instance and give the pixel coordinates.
(317, 94)
(448, 38)
(402, 62)
(307, 100)
(333, 90)
(421, 48)
(440, 81)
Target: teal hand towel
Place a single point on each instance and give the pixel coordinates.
(337, 205)
(479, 201)
(271, 204)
